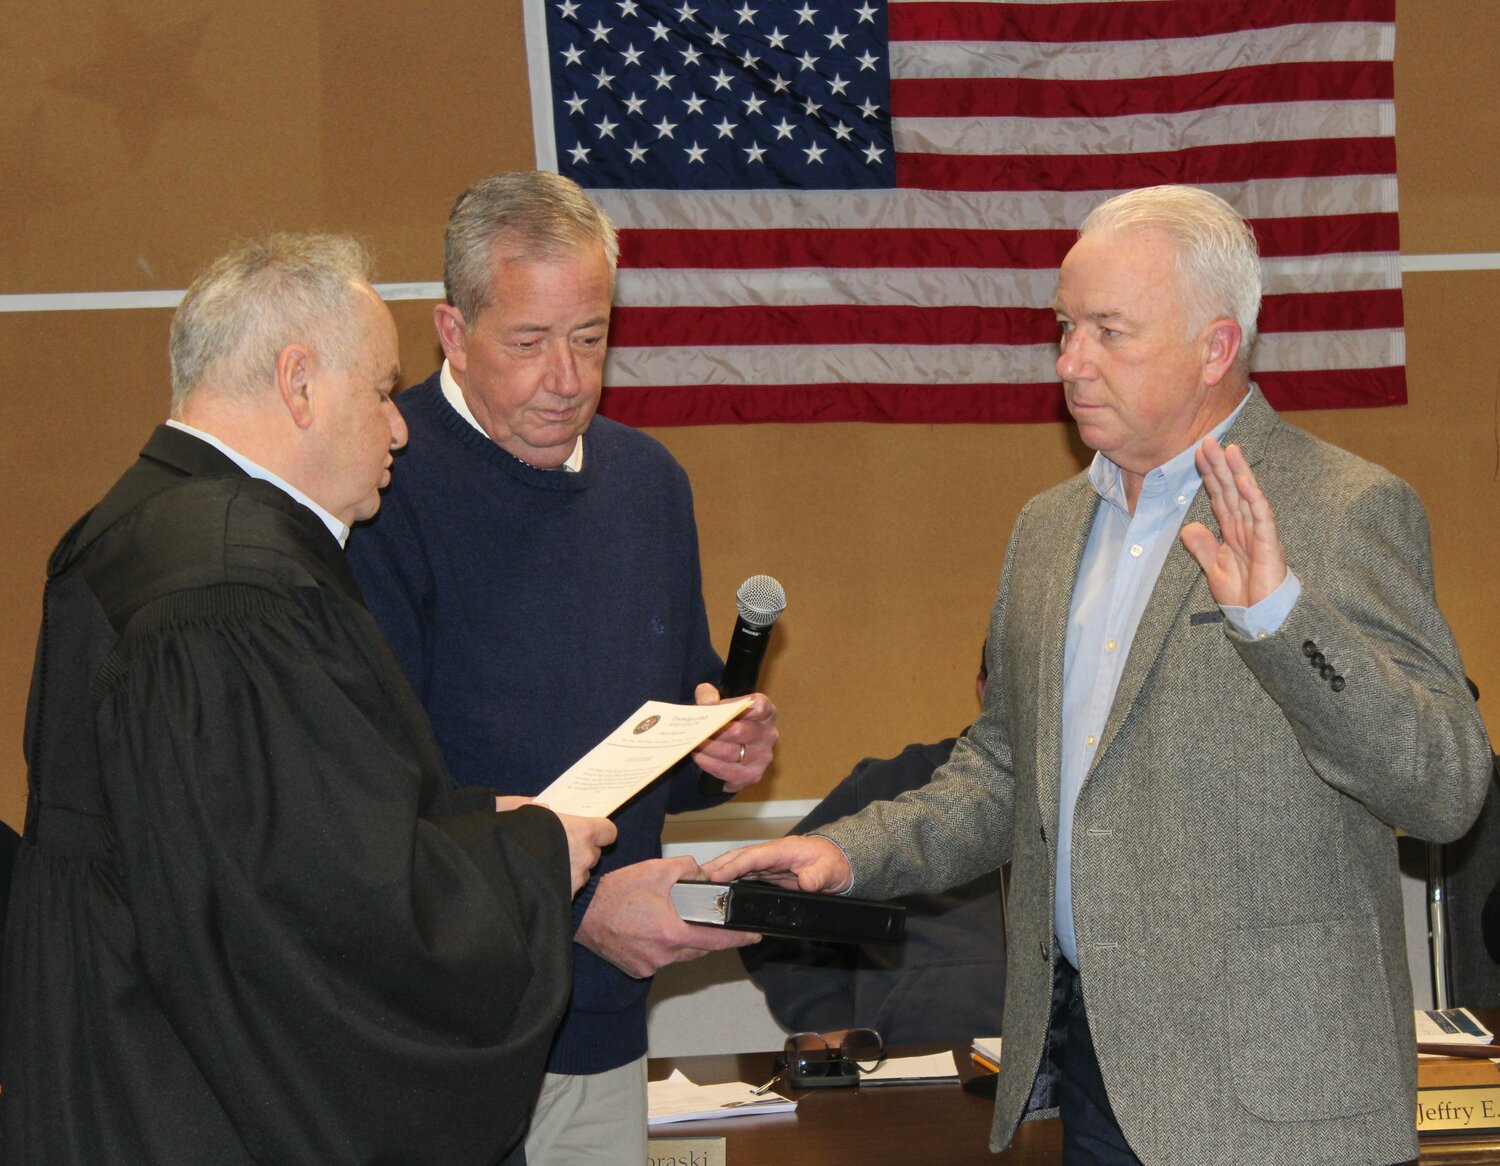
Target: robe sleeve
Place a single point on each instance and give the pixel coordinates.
(360, 972)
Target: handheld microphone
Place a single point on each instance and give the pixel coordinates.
(760, 600)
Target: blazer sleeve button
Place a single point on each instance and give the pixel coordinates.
(1327, 672)
(1317, 660)
(1308, 648)
(1337, 684)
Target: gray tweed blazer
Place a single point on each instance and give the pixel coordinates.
(1235, 882)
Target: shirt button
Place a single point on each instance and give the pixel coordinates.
(1090, 741)
(1182, 499)
(1136, 552)
(1109, 646)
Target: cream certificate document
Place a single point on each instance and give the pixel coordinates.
(650, 741)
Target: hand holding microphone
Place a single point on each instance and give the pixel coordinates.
(761, 600)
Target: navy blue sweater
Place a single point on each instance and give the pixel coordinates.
(533, 611)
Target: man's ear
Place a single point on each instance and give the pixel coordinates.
(1220, 349)
(294, 369)
(452, 335)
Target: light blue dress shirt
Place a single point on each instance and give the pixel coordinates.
(1121, 562)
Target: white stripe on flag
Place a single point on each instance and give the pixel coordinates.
(748, 210)
(1131, 59)
(823, 364)
(944, 287)
(1140, 134)
(975, 364)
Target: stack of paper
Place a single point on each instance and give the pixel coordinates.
(678, 1099)
(1447, 1027)
(985, 1052)
(931, 1070)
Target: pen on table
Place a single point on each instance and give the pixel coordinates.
(984, 1062)
(780, 1068)
(1479, 1052)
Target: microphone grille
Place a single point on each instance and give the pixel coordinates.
(761, 600)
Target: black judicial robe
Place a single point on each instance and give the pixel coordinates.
(249, 920)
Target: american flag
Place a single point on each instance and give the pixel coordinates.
(831, 212)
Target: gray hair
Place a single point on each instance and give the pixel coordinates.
(248, 305)
(1216, 253)
(544, 215)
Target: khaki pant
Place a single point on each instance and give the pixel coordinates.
(598, 1119)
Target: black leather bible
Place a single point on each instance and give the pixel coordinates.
(754, 906)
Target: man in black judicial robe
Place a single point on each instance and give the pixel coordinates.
(250, 919)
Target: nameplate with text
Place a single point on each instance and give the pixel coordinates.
(1458, 1109)
(685, 1152)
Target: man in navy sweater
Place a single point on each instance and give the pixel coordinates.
(537, 586)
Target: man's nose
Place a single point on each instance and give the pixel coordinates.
(398, 428)
(563, 372)
(1072, 361)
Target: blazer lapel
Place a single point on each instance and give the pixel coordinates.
(1074, 519)
(1163, 616)
(1164, 612)
(1253, 427)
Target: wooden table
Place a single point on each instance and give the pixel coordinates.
(887, 1125)
(898, 1125)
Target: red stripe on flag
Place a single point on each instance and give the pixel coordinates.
(786, 247)
(1148, 20)
(915, 404)
(1343, 388)
(942, 248)
(1327, 234)
(691, 327)
(1332, 311)
(829, 324)
(671, 405)
(1319, 158)
(1034, 97)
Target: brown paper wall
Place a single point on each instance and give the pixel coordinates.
(137, 141)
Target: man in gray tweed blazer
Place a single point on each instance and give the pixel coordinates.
(1207, 712)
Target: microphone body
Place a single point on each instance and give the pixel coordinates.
(747, 648)
(760, 600)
